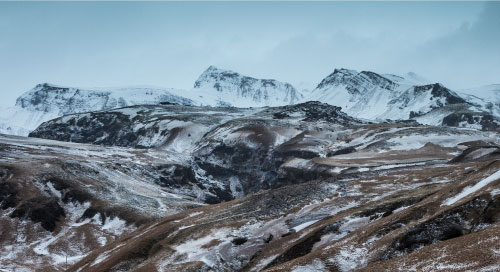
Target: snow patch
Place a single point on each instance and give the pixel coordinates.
(470, 190)
(317, 265)
(194, 249)
(304, 225)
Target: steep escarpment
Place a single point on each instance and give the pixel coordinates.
(66, 100)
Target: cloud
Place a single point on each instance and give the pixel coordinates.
(170, 44)
(468, 56)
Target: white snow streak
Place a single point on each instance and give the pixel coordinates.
(470, 190)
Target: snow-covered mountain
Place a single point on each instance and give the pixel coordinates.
(215, 87)
(225, 87)
(365, 95)
(65, 100)
(48, 101)
(373, 96)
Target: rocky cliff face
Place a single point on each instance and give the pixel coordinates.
(356, 83)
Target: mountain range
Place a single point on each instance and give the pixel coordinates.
(365, 95)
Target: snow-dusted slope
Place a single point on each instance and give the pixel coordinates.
(47, 101)
(303, 183)
(59, 201)
(65, 100)
(355, 196)
(372, 96)
(18, 121)
(224, 87)
(364, 95)
(487, 97)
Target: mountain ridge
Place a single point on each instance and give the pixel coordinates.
(366, 95)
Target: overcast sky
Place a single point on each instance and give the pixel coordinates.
(169, 44)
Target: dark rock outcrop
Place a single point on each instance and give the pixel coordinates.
(463, 119)
(44, 210)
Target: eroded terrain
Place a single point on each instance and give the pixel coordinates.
(295, 188)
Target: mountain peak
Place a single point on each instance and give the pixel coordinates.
(344, 71)
(47, 85)
(239, 90)
(215, 74)
(212, 69)
(215, 70)
(338, 76)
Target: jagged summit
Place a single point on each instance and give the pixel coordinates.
(214, 74)
(354, 80)
(46, 85)
(337, 76)
(214, 69)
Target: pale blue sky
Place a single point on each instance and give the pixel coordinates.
(169, 44)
